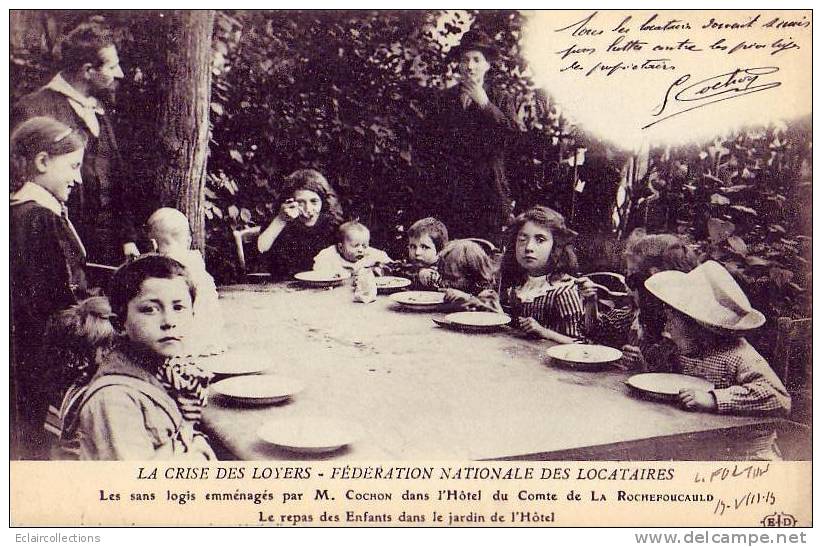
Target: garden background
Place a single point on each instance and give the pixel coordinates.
(348, 93)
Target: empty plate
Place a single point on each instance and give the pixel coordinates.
(419, 299)
(232, 363)
(584, 356)
(321, 278)
(666, 386)
(389, 283)
(263, 389)
(310, 435)
(474, 321)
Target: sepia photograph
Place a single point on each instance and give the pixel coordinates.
(331, 237)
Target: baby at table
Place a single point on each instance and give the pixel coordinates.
(351, 252)
(707, 317)
(171, 233)
(427, 238)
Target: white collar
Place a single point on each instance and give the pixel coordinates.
(60, 85)
(88, 108)
(534, 287)
(39, 195)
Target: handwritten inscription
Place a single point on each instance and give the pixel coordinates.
(672, 47)
(748, 499)
(739, 82)
(734, 472)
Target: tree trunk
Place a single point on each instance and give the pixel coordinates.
(183, 109)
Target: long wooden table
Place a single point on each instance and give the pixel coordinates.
(422, 392)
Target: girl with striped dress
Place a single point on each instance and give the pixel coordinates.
(539, 292)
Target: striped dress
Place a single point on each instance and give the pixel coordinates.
(554, 303)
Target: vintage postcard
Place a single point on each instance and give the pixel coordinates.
(449, 268)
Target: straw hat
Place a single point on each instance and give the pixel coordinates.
(709, 295)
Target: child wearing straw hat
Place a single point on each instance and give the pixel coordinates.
(707, 317)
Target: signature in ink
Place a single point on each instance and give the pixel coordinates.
(739, 82)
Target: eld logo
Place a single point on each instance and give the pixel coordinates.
(778, 520)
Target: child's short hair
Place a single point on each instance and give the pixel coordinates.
(660, 251)
(663, 252)
(352, 226)
(432, 228)
(36, 135)
(128, 279)
(168, 223)
(470, 259)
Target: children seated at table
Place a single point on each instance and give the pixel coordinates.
(467, 276)
(707, 317)
(126, 413)
(171, 233)
(426, 239)
(637, 329)
(538, 291)
(352, 251)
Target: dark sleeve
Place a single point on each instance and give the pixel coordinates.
(612, 328)
(47, 283)
(27, 107)
(500, 117)
(290, 253)
(132, 201)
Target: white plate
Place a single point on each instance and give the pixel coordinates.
(419, 299)
(322, 278)
(262, 389)
(667, 385)
(475, 320)
(310, 435)
(389, 283)
(235, 364)
(584, 354)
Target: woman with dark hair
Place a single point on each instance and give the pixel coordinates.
(307, 222)
(47, 261)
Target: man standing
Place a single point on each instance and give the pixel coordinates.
(100, 208)
(475, 126)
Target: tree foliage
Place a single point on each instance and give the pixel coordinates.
(349, 93)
